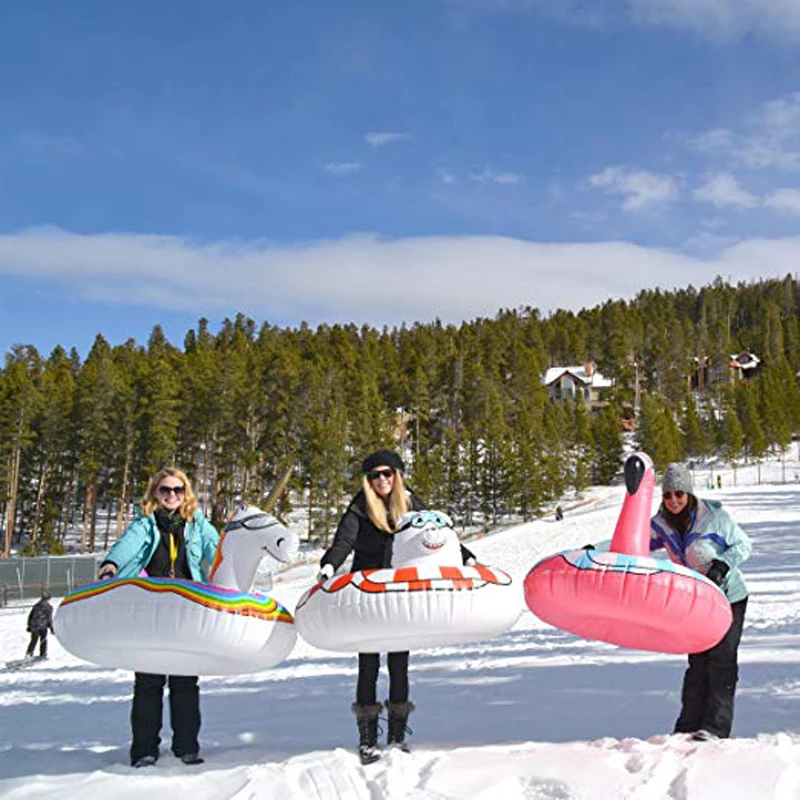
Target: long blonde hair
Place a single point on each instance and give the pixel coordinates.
(383, 518)
(150, 502)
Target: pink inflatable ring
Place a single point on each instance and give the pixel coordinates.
(625, 596)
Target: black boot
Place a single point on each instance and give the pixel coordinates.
(367, 721)
(398, 717)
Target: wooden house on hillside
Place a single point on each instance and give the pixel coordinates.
(567, 383)
(711, 371)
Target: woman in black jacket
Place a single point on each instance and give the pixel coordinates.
(366, 529)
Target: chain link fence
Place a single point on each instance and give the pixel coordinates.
(24, 578)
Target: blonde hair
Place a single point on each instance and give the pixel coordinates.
(150, 502)
(383, 518)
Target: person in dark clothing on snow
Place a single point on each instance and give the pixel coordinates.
(700, 535)
(366, 529)
(40, 621)
(173, 539)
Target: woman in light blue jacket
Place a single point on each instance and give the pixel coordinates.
(699, 534)
(172, 540)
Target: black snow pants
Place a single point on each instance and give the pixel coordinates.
(41, 638)
(709, 684)
(184, 713)
(368, 666)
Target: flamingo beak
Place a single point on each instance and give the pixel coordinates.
(634, 472)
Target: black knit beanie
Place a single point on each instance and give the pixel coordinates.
(383, 458)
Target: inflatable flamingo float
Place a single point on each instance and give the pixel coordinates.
(179, 627)
(426, 599)
(625, 596)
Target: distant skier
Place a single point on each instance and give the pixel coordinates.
(559, 513)
(719, 481)
(40, 621)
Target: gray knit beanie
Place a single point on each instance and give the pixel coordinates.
(677, 478)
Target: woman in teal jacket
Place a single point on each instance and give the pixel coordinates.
(699, 534)
(171, 540)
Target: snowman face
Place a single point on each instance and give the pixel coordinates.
(425, 537)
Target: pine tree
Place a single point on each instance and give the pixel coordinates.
(95, 398)
(20, 399)
(55, 458)
(608, 444)
(695, 440)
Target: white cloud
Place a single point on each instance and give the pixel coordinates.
(784, 201)
(343, 167)
(717, 20)
(642, 190)
(331, 281)
(723, 190)
(723, 20)
(713, 142)
(487, 175)
(381, 139)
(768, 139)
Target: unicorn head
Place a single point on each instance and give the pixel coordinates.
(425, 537)
(250, 535)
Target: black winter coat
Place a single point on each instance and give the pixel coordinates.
(41, 617)
(372, 546)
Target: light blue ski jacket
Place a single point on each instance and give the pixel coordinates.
(132, 553)
(711, 534)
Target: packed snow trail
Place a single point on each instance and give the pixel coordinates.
(536, 713)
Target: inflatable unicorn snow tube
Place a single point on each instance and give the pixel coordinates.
(625, 596)
(426, 599)
(179, 627)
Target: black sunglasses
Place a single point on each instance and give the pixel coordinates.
(167, 490)
(374, 474)
(678, 495)
(255, 522)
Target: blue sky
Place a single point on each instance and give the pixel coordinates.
(383, 162)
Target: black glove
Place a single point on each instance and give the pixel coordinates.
(717, 572)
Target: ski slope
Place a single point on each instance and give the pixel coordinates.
(536, 713)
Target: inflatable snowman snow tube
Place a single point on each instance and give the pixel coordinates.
(179, 627)
(426, 599)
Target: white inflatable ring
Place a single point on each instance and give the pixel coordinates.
(171, 626)
(408, 608)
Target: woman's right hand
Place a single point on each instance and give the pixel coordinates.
(325, 573)
(107, 572)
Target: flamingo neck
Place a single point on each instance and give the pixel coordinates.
(632, 533)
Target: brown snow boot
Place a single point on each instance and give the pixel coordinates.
(367, 721)
(398, 717)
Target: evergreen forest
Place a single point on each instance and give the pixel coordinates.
(464, 404)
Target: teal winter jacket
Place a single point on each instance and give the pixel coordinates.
(132, 553)
(711, 534)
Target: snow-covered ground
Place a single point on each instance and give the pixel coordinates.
(536, 713)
